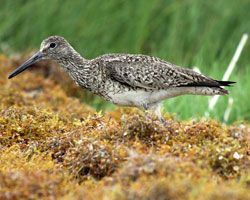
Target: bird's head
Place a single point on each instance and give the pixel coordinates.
(53, 47)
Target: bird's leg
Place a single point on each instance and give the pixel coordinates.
(156, 109)
(147, 111)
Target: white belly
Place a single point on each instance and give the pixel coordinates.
(140, 97)
(130, 98)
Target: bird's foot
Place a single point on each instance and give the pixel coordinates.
(149, 116)
(164, 122)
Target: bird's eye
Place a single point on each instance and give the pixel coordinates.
(52, 45)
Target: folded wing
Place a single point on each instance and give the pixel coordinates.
(153, 73)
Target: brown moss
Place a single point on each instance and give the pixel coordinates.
(36, 178)
(92, 159)
(23, 125)
(84, 157)
(52, 146)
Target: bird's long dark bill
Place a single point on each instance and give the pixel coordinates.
(35, 58)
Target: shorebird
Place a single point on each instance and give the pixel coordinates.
(126, 79)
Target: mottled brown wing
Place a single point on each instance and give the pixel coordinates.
(153, 73)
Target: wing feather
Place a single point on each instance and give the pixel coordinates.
(152, 73)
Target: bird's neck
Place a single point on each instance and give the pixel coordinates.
(72, 61)
(79, 68)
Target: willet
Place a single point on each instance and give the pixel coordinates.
(126, 79)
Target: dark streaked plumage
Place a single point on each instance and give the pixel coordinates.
(126, 79)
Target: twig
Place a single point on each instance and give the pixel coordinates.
(228, 110)
(214, 99)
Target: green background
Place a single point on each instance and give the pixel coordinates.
(188, 33)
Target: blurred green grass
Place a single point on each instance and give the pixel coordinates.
(189, 33)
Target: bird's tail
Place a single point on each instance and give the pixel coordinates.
(215, 88)
(221, 90)
(208, 87)
(225, 83)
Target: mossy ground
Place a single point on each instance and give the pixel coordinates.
(55, 147)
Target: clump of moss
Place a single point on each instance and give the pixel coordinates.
(85, 158)
(23, 185)
(92, 159)
(149, 131)
(20, 125)
(134, 126)
(24, 178)
(154, 165)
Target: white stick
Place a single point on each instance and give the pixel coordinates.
(214, 99)
(228, 110)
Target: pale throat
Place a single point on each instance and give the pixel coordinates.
(72, 60)
(80, 70)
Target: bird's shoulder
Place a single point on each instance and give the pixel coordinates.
(116, 63)
(127, 58)
(144, 63)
